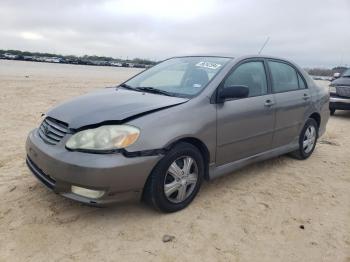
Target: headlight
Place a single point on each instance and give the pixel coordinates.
(332, 89)
(104, 138)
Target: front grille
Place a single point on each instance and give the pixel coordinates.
(343, 91)
(52, 130)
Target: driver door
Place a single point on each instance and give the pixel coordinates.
(245, 126)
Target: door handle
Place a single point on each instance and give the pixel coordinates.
(269, 103)
(306, 97)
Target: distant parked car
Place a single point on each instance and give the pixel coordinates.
(340, 92)
(317, 78)
(159, 134)
(335, 76)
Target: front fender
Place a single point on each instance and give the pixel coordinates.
(190, 120)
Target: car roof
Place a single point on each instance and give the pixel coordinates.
(219, 56)
(236, 59)
(241, 57)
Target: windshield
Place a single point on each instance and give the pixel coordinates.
(346, 73)
(183, 76)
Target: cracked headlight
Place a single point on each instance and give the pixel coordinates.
(104, 138)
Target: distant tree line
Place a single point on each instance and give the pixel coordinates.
(72, 59)
(325, 71)
(110, 61)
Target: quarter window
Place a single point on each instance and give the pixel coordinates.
(284, 77)
(251, 75)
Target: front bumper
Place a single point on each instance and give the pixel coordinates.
(337, 102)
(119, 176)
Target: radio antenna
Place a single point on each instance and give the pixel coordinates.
(265, 43)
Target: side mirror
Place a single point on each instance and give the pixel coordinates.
(233, 92)
(336, 75)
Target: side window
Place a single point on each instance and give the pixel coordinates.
(301, 83)
(284, 77)
(250, 74)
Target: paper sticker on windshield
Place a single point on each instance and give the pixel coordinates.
(209, 65)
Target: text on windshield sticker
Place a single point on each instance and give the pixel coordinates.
(208, 65)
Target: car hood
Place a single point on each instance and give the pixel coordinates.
(108, 105)
(341, 81)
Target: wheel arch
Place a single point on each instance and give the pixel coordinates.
(317, 117)
(203, 149)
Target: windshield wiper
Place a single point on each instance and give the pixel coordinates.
(127, 86)
(153, 90)
(147, 89)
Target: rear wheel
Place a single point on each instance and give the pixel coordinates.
(176, 179)
(307, 140)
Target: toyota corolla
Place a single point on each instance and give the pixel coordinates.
(185, 120)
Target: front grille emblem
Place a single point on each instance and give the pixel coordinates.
(52, 131)
(46, 130)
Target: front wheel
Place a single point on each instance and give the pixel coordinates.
(332, 111)
(176, 179)
(307, 140)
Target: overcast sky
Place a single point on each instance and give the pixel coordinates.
(310, 32)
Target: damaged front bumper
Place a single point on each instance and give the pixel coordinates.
(118, 177)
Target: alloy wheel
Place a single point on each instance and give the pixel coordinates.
(309, 139)
(181, 179)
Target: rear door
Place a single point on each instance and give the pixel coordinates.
(292, 101)
(245, 126)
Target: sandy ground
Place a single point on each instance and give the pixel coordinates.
(278, 210)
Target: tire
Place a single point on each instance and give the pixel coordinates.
(332, 111)
(162, 178)
(304, 152)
